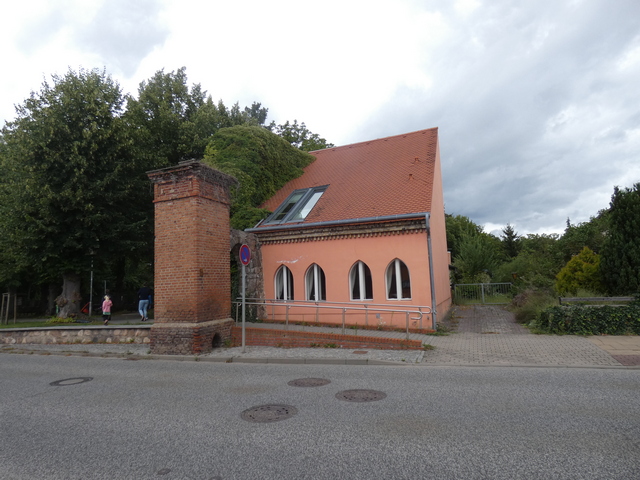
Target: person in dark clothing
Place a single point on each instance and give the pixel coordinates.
(144, 297)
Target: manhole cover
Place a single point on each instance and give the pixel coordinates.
(360, 395)
(309, 382)
(70, 381)
(268, 413)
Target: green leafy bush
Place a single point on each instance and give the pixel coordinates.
(586, 320)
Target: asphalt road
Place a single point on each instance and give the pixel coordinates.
(152, 419)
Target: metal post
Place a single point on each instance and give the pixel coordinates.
(407, 320)
(482, 289)
(91, 290)
(2, 315)
(244, 277)
(286, 318)
(15, 308)
(344, 312)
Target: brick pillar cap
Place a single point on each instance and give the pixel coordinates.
(195, 167)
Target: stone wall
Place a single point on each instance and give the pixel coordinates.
(70, 335)
(255, 282)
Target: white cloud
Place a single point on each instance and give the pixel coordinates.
(536, 101)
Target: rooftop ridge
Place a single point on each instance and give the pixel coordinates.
(368, 142)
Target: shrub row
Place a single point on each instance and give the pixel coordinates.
(589, 320)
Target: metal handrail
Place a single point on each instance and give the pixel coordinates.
(323, 305)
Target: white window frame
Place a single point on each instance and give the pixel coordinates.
(292, 210)
(394, 272)
(283, 278)
(359, 269)
(315, 284)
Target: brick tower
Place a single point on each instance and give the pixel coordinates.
(192, 291)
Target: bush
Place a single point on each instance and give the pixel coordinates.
(528, 304)
(586, 320)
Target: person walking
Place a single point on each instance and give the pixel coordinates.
(144, 297)
(106, 309)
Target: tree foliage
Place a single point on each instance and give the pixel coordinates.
(535, 266)
(620, 263)
(510, 241)
(581, 272)
(590, 234)
(262, 162)
(299, 136)
(71, 185)
(477, 258)
(459, 227)
(177, 121)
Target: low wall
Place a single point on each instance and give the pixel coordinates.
(292, 339)
(88, 334)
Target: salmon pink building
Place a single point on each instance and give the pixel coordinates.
(360, 237)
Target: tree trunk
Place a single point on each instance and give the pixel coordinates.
(51, 299)
(69, 299)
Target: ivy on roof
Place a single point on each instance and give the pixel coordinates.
(262, 162)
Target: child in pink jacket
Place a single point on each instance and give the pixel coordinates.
(106, 309)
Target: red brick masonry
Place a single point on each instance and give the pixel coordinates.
(293, 339)
(189, 338)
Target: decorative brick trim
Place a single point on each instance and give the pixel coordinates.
(314, 234)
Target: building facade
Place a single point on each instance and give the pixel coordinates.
(360, 237)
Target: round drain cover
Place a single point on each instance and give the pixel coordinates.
(360, 395)
(70, 381)
(309, 382)
(268, 413)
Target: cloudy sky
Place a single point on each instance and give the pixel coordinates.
(537, 101)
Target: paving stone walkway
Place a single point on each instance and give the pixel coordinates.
(489, 335)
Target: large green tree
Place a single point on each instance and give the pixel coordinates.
(262, 162)
(176, 121)
(620, 259)
(458, 228)
(510, 241)
(590, 234)
(72, 187)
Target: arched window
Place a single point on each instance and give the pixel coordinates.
(360, 283)
(315, 285)
(398, 281)
(284, 284)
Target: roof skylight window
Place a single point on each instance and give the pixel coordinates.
(297, 206)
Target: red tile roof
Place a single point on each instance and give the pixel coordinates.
(387, 176)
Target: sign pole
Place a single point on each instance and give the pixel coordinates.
(244, 283)
(245, 258)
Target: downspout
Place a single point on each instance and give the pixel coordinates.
(431, 275)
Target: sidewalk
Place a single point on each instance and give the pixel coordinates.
(481, 335)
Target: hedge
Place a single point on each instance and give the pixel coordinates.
(590, 320)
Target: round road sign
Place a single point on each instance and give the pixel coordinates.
(245, 254)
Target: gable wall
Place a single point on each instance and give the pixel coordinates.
(439, 243)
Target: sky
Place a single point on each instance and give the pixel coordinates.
(537, 101)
